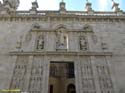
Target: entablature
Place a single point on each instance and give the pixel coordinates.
(69, 16)
(67, 30)
(31, 53)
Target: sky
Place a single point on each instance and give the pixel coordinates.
(76, 5)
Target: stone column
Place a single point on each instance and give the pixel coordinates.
(78, 78)
(14, 60)
(93, 62)
(46, 75)
(33, 41)
(111, 69)
(29, 68)
(91, 45)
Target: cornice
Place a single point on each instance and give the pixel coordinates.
(16, 53)
(67, 30)
(55, 16)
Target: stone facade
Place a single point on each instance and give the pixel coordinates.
(93, 41)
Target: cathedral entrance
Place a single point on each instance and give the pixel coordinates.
(62, 77)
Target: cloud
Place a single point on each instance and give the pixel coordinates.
(104, 5)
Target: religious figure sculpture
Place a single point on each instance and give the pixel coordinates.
(83, 43)
(40, 43)
(61, 39)
(14, 3)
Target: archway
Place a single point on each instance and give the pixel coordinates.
(71, 88)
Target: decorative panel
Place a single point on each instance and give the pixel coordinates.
(36, 78)
(19, 73)
(104, 77)
(88, 83)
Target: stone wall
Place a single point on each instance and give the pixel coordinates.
(107, 37)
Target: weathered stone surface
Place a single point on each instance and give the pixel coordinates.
(105, 50)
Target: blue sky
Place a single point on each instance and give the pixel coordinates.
(98, 5)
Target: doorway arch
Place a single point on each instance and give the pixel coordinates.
(71, 88)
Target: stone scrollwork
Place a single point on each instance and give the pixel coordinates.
(87, 28)
(83, 43)
(35, 26)
(40, 42)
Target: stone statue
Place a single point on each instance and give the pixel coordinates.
(40, 43)
(61, 39)
(14, 3)
(83, 43)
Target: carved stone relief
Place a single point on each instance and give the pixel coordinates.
(36, 79)
(104, 45)
(104, 77)
(88, 83)
(28, 37)
(94, 38)
(40, 42)
(62, 39)
(35, 26)
(83, 43)
(19, 73)
(87, 28)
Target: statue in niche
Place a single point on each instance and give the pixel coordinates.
(104, 45)
(40, 43)
(61, 39)
(83, 43)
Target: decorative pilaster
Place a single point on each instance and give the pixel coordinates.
(92, 58)
(29, 68)
(111, 68)
(78, 77)
(14, 58)
(46, 70)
